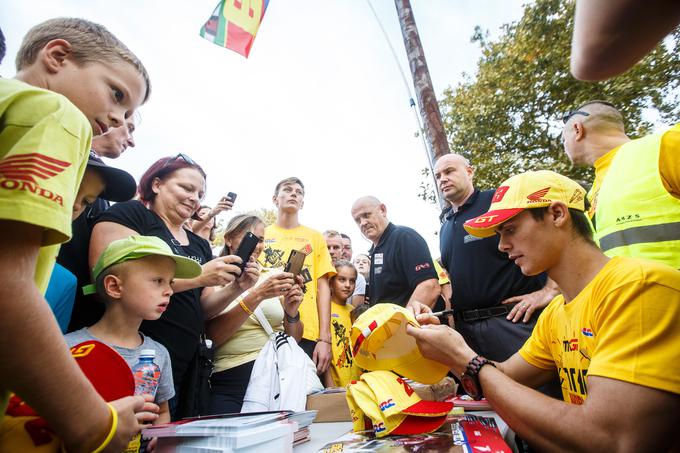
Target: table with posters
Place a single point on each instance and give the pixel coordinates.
(323, 433)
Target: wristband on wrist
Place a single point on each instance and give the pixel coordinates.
(245, 307)
(292, 319)
(323, 341)
(114, 428)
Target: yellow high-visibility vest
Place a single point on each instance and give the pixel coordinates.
(636, 216)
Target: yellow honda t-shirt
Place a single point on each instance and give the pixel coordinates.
(623, 325)
(278, 243)
(44, 145)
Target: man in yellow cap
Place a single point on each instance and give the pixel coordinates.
(612, 334)
(635, 199)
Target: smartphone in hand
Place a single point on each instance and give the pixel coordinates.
(231, 196)
(246, 249)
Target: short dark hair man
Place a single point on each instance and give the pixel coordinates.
(612, 335)
(288, 234)
(401, 265)
(490, 294)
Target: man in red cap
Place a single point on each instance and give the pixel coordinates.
(612, 334)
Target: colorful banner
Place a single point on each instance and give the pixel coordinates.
(234, 24)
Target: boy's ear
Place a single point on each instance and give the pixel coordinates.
(113, 286)
(54, 54)
(558, 213)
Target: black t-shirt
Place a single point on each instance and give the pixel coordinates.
(399, 262)
(74, 256)
(481, 275)
(180, 327)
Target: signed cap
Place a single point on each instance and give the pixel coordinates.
(380, 342)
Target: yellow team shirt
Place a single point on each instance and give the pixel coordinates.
(624, 325)
(341, 325)
(277, 246)
(44, 146)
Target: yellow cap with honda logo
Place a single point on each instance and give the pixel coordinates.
(533, 189)
(392, 406)
(380, 342)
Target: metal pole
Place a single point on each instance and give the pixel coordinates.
(412, 105)
(427, 101)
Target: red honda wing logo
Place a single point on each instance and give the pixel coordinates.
(537, 196)
(28, 167)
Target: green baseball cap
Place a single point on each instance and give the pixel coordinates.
(136, 247)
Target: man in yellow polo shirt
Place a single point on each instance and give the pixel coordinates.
(288, 234)
(635, 199)
(612, 335)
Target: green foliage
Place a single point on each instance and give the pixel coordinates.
(506, 120)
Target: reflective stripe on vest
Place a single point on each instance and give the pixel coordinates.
(635, 215)
(642, 234)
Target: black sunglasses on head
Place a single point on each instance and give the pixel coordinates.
(568, 115)
(182, 156)
(571, 113)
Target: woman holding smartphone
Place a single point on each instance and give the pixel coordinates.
(236, 333)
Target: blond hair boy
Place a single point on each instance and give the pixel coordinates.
(74, 79)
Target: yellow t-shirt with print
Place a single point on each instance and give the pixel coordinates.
(341, 326)
(44, 146)
(624, 325)
(278, 242)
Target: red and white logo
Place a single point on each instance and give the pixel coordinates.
(499, 194)
(25, 171)
(27, 167)
(537, 197)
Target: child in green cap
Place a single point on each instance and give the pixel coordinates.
(133, 277)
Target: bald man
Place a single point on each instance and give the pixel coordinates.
(496, 305)
(401, 269)
(635, 198)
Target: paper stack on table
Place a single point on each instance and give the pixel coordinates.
(234, 433)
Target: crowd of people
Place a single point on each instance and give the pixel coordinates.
(575, 294)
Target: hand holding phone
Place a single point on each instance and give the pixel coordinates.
(246, 249)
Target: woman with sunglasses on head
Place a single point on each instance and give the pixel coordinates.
(170, 192)
(236, 333)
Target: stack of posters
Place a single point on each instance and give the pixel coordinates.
(234, 433)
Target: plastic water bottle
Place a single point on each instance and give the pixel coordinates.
(146, 373)
(147, 376)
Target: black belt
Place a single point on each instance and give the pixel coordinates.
(484, 313)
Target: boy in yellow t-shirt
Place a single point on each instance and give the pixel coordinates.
(612, 335)
(288, 234)
(95, 82)
(342, 287)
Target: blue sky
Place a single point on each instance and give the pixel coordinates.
(320, 96)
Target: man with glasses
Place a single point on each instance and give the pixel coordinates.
(635, 198)
(401, 266)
